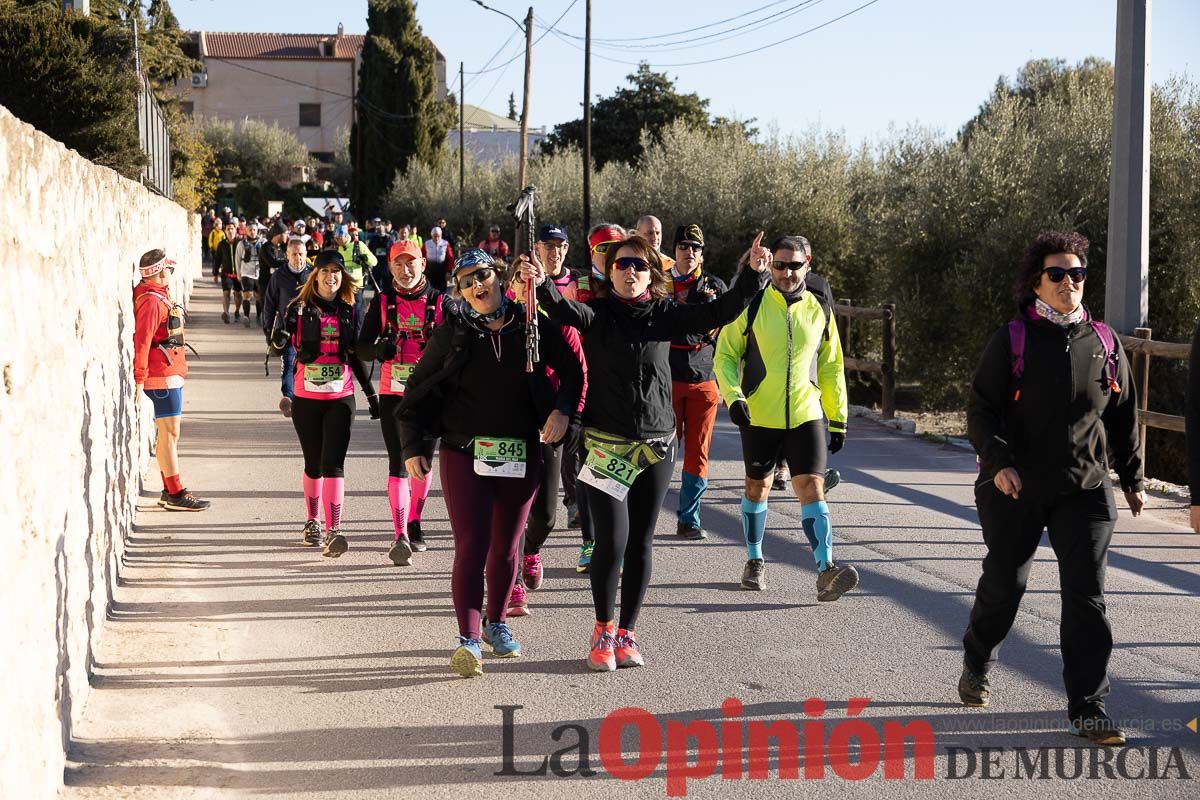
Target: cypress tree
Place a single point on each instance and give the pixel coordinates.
(399, 117)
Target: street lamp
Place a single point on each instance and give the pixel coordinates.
(523, 161)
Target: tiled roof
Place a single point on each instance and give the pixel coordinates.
(278, 45)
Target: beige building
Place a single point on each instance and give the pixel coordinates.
(304, 82)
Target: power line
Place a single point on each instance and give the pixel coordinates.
(495, 55)
(743, 15)
(731, 55)
(545, 33)
(722, 36)
(640, 42)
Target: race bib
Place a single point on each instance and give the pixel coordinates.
(324, 378)
(400, 376)
(500, 458)
(610, 474)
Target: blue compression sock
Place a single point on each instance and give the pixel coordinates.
(754, 526)
(819, 530)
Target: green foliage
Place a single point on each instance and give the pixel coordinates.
(650, 103)
(71, 78)
(254, 150)
(400, 119)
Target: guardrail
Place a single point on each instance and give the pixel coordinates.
(1141, 348)
(884, 368)
(155, 141)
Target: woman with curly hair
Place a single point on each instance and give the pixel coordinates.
(1052, 394)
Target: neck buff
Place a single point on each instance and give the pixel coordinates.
(413, 293)
(294, 270)
(644, 297)
(793, 297)
(486, 318)
(1058, 318)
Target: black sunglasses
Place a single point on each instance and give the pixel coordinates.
(632, 262)
(1056, 274)
(793, 266)
(478, 276)
(695, 248)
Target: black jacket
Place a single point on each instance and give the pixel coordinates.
(223, 263)
(1056, 432)
(461, 389)
(1193, 418)
(627, 347)
(692, 354)
(281, 290)
(271, 257)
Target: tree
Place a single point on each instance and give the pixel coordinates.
(650, 103)
(512, 105)
(71, 78)
(399, 116)
(255, 151)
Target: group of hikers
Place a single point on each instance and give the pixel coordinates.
(525, 377)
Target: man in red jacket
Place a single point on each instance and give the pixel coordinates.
(159, 368)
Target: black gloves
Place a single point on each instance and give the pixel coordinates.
(385, 350)
(836, 441)
(373, 404)
(573, 441)
(739, 412)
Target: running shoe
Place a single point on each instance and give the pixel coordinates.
(834, 581)
(832, 478)
(602, 657)
(518, 602)
(781, 481)
(1096, 726)
(225, 317)
(467, 660)
(585, 557)
(531, 570)
(246, 321)
(753, 576)
(285, 406)
(237, 316)
(973, 687)
(311, 536)
(415, 537)
(502, 641)
(401, 553)
(692, 533)
(162, 497)
(573, 517)
(626, 651)
(185, 501)
(335, 544)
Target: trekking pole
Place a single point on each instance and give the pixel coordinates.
(525, 213)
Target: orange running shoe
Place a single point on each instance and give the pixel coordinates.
(602, 657)
(628, 654)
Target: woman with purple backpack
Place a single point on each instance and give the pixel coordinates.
(1052, 394)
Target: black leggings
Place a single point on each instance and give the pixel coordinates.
(545, 503)
(625, 529)
(388, 403)
(324, 430)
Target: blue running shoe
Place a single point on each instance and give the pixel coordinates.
(467, 660)
(585, 557)
(502, 641)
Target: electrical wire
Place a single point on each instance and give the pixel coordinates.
(545, 33)
(742, 15)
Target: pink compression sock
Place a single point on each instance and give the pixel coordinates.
(419, 490)
(312, 496)
(398, 497)
(334, 492)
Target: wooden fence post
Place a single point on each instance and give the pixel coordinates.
(889, 362)
(844, 330)
(1141, 380)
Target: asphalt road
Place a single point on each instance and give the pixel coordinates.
(237, 662)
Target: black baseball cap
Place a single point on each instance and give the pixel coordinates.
(548, 232)
(329, 258)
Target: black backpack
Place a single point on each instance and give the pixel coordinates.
(818, 286)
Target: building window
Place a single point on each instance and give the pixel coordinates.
(187, 107)
(310, 115)
(322, 156)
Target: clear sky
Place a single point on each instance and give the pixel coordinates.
(930, 62)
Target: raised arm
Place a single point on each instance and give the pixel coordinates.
(726, 308)
(560, 310)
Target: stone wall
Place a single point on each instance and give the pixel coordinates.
(75, 440)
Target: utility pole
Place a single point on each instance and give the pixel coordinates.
(523, 163)
(587, 120)
(462, 142)
(1126, 301)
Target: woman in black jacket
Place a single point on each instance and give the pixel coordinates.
(471, 389)
(629, 424)
(1051, 394)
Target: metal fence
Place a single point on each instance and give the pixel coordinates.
(154, 140)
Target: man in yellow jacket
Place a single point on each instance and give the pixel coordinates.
(764, 364)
